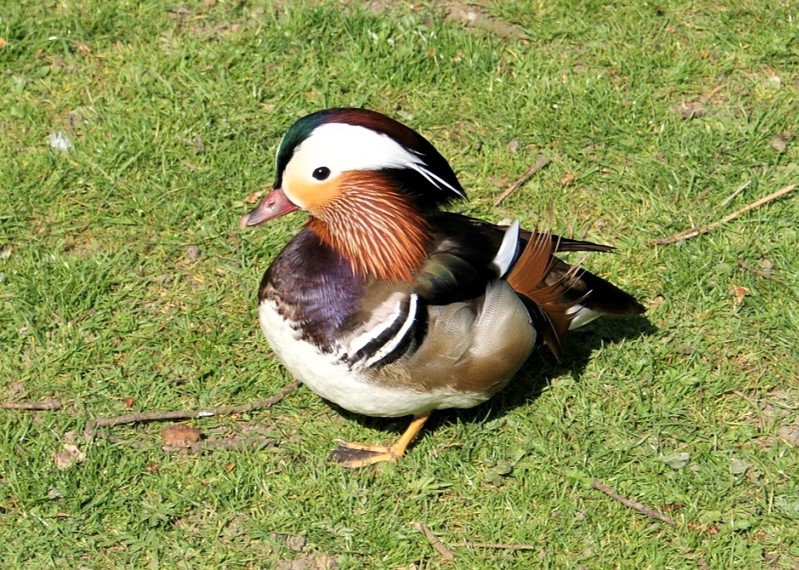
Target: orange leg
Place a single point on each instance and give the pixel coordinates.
(354, 455)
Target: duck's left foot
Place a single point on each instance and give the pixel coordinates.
(356, 455)
(353, 455)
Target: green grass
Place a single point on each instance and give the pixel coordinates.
(175, 112)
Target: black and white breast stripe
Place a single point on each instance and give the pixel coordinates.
(386, 342)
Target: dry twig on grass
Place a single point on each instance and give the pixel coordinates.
(737, 191)
(31, 406)
(92, 425)
(539, 164)
(688, 234)
(444, 552)
(643, 509)
(496, 546)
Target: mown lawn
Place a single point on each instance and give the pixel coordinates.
(134, 135)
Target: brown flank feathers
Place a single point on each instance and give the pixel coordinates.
(549, 309)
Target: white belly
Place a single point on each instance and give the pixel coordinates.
(350, 389)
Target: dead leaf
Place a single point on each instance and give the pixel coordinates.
(180, 435)
(68, 456)
(128, 402)
(567, 179)
(738, 293)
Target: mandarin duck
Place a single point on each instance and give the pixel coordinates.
(387, 305)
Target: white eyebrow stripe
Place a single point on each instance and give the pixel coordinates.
(344, 147)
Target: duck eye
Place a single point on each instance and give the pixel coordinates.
(321, 173)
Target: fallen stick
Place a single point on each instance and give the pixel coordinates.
(31, 406)
(644, 510)
(539, 164)
(444, 552)
(496, 545)
(92, 425)
(732, 196)
(688, 234)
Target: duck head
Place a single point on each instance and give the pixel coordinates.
(367, 182)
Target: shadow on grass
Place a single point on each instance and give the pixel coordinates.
(534, 376)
